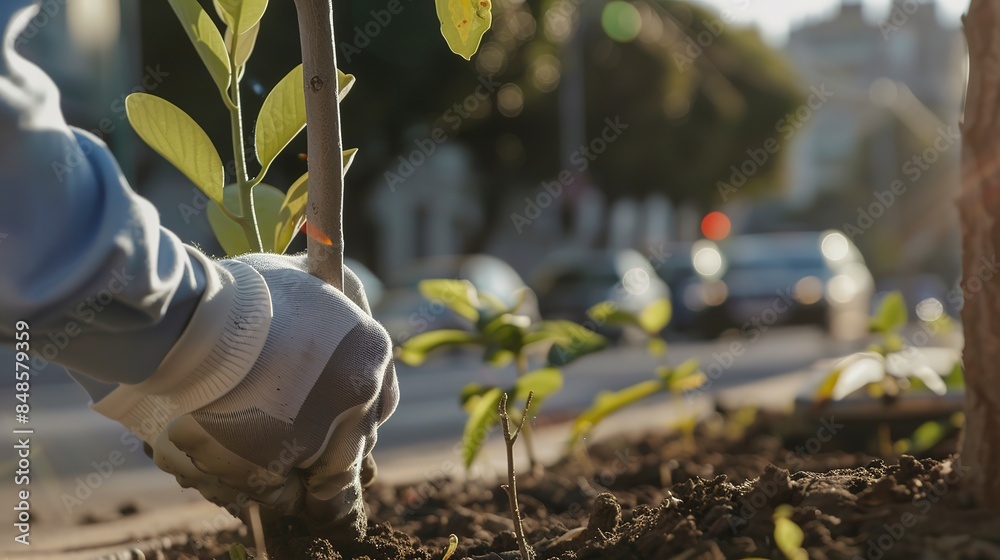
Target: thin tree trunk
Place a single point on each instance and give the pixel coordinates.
(324, 211)
(979, 208)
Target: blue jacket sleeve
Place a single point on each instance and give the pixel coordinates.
(83, 259)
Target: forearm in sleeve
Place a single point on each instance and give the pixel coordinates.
(83, 259)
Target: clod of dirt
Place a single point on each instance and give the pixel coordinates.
(605, 515)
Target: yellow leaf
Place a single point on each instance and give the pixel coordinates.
(244, 45)
(463, 23)
(207, 40)
(175, 136)
(240, 15)
(281, 118)
(292, 213)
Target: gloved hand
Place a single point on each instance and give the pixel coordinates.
(274, 393)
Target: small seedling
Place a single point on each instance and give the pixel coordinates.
(675, 380)
(887, 369)
(452, 547)
(511, 487)
(505, 336)
(237, 552)
(929, 434)
(788, 536)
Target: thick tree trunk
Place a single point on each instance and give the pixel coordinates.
(979, 207)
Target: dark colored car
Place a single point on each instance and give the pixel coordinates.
(687, 268)
(790, 278)
(570, 282)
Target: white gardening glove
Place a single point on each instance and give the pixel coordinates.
(274, 392)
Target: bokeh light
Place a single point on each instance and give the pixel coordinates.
(510, 100)
(715, 226)
(621, 21)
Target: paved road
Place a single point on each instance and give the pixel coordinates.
(73, 446)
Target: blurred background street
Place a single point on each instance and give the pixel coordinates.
(773, 168)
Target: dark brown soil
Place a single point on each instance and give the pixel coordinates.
(710, 496)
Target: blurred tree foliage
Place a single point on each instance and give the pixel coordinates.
(695, 93)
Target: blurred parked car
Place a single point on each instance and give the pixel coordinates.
(570, 282)
(404, 311)
(686, 268)
(790, 278)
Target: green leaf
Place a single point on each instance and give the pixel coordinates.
(463, 23)
(572, 341)
(609, 312)
(458, 295)
(348, 157)
(175, 136)
(609, 402)
(485, 413)
(207, 40)
(656, 346)
(927, 435)
(506, 331)
(543, 382)
(452, 547)
(956, 377)
(825, 391)
(292, 213)
(415, 350)
(655, 317)
(267, 201)
(240, 15)
(891, 314)
(237, 552)
(344, 84)
(471, 392)
(244, 45)
(497, 357)
(683, 378)
(281, 118)
(788, 537)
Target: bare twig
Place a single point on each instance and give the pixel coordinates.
(511, 486)
(529, 444)
(324, 211)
